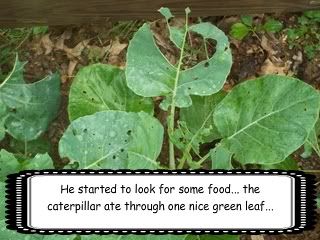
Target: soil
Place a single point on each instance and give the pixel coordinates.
(254, 56)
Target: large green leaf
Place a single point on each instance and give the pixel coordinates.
(198, 117)
(150, 74)
(113, 139)
(29, 107)
(265, 120)
(101, 87)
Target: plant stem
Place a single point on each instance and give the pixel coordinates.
(172, 163)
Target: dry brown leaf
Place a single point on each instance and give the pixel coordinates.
(269, 67)
(71, 68)
(265, 44)
(116, 47)
(77, 50)
(60, 43)
(257, 237)
(47, 44)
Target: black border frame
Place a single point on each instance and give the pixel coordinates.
(16, 201)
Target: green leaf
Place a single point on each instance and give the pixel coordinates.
(29, 107)
(11, 163)
(166, 12)
(39, 30)
(2, 199)
(135, 237)
(247, 20)
(265, 120)
(113, 139)
(313, 14)
(221, 158)
(312, 142)
(31, 148)
(150, 74)
(39, 162)
(318, 201)
(272, 26)
(101, 87)
(3, 115)
(198, 117)
(176, 34)
(62, 237)
(213, 237)
(288, 164)
(239, 31)
(14, 235)
(6, 233)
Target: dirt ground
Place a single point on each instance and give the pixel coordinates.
(66, 49)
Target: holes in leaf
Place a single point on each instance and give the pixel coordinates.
(84, 92)
(122, 150)
(206, 64)
(92, 99)
(114, 157)
(14, 110)
(85, 130)
(129, 132)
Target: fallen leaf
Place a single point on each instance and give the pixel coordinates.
(269, 67)
(116, 47)
(257, 237)
(60, 42)
(265, 44)
(71, 68)
(47, 44)
(77, 50)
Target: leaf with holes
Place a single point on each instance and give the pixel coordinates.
(263, 121)
(29, 107)
(150, 74)
(113, 139)
(101, 87)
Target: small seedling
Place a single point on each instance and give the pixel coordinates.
(306, 34)
(247, 26)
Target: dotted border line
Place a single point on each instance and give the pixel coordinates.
(27, 174)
